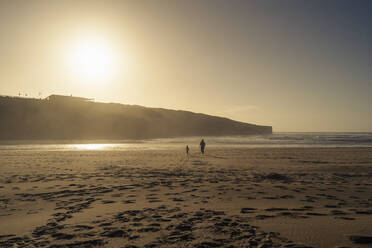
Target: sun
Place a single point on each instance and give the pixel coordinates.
(92, 59)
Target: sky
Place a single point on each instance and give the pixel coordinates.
(299, 66)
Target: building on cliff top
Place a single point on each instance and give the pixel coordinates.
(67, 99)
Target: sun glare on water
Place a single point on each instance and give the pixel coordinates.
(91, 146)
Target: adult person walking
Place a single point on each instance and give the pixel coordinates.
(202, 146)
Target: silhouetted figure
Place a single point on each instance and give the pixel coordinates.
(187, 150)
(202, 146)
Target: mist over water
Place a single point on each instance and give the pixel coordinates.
(254, 141)
(282, 140)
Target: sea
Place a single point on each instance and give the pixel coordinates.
(275, 140)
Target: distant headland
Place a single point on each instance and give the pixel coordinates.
(68, 117)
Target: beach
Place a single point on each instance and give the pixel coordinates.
(228, 197)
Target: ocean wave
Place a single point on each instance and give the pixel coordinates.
(273, 140)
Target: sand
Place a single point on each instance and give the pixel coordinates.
(229, 197)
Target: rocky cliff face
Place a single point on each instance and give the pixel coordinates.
(46, 119)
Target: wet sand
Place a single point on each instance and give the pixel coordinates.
(229, 197)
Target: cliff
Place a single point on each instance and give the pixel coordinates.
(62, 117)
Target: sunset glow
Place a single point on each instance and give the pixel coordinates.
(266, 62)
(92, 60)
(170, 123)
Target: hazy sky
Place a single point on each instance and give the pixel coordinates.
(296, 65)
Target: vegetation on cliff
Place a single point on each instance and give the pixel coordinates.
(62, 117)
